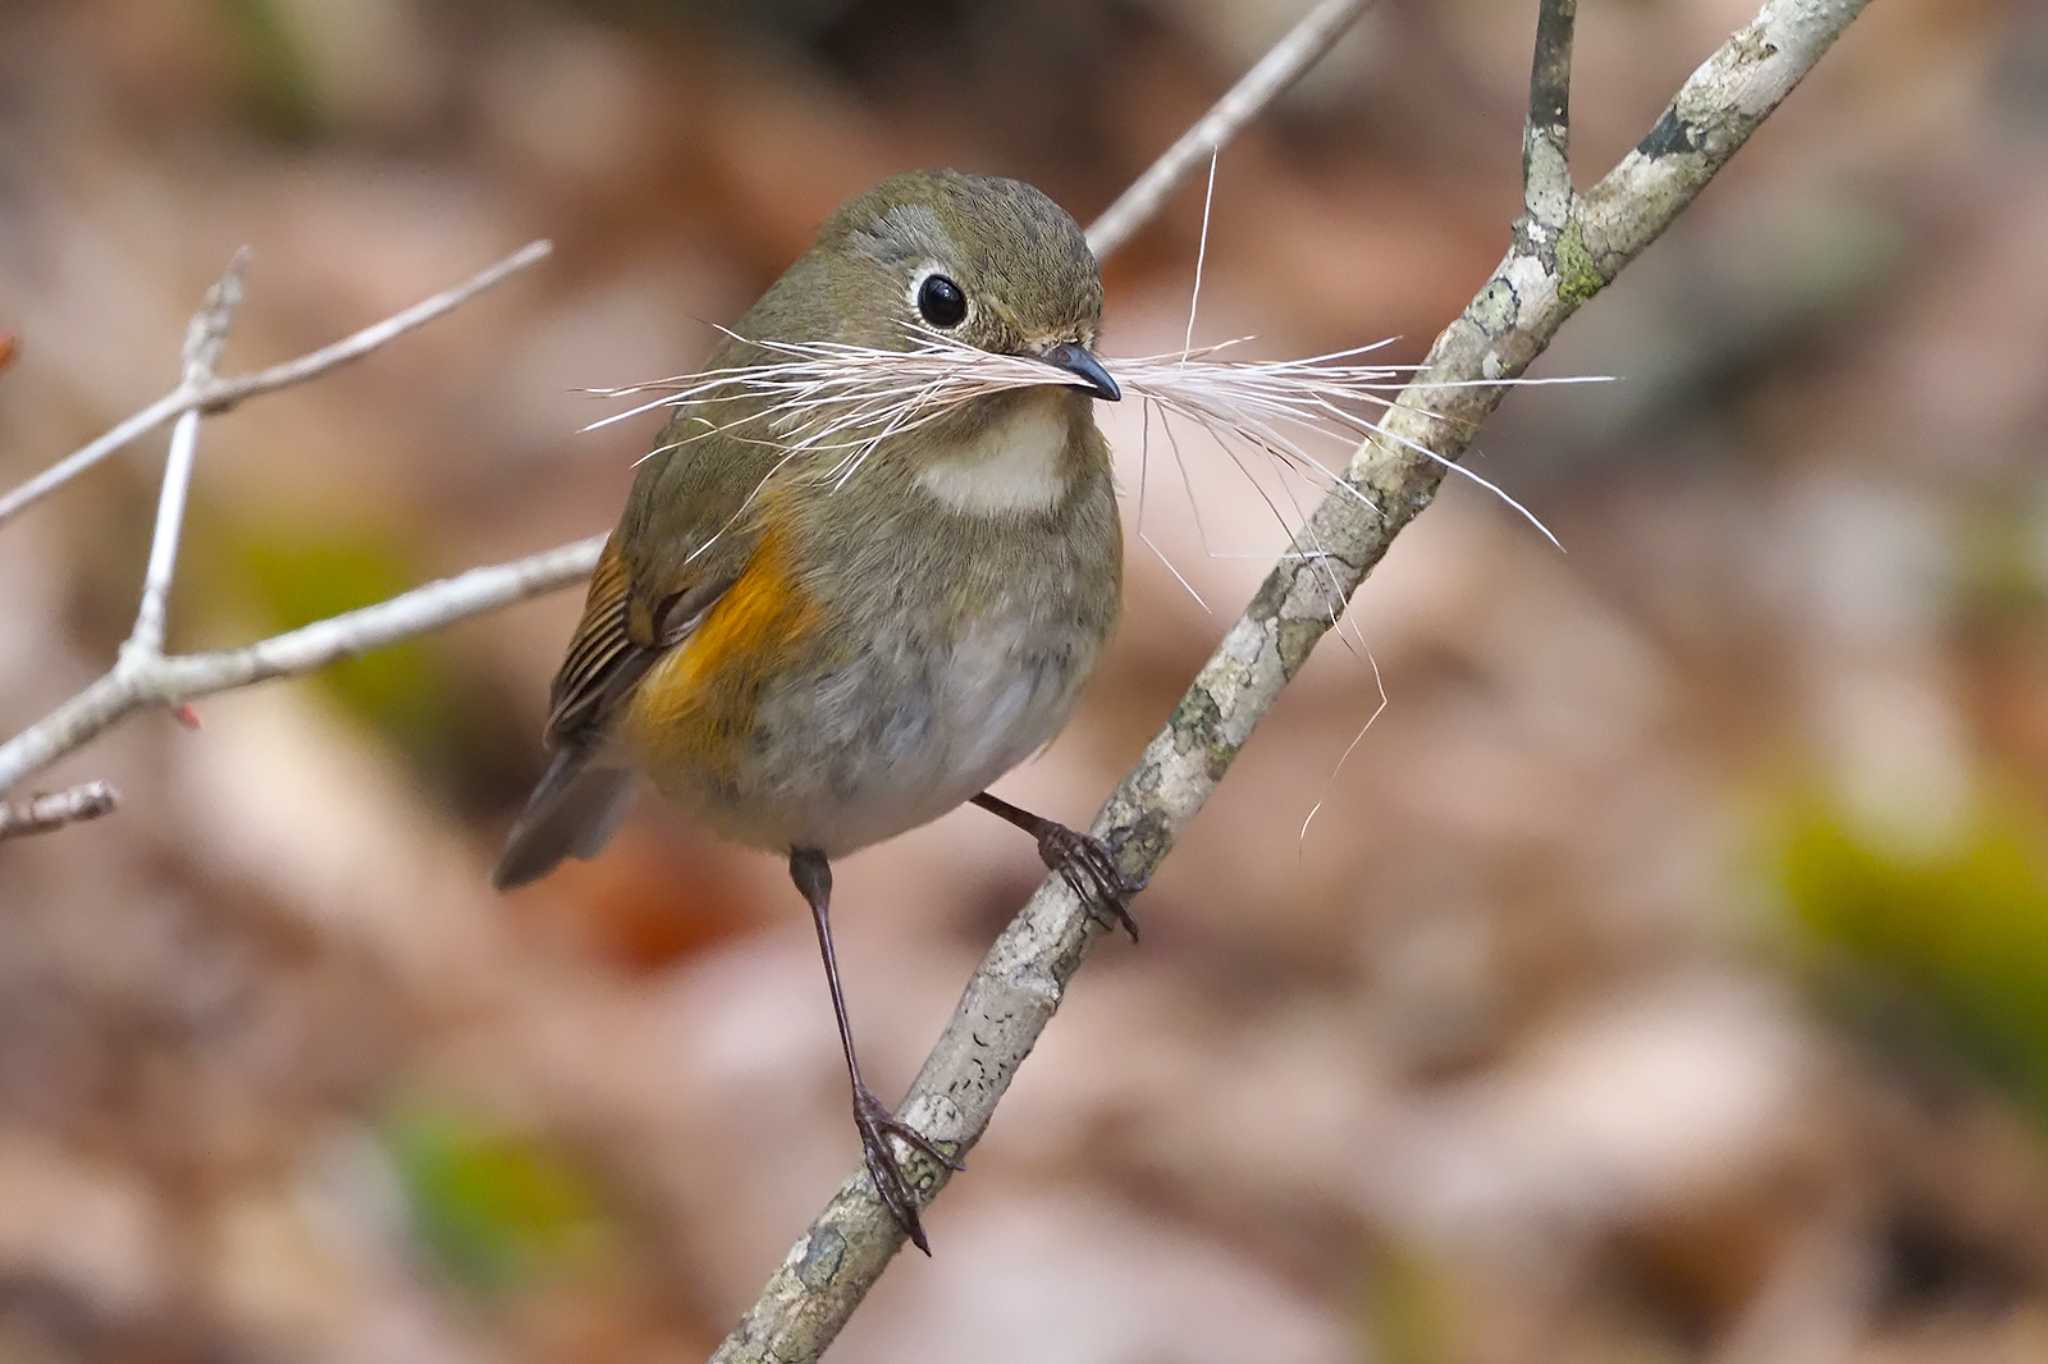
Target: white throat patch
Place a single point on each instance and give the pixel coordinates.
(1011, 467)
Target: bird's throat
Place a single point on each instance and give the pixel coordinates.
(1018, 464)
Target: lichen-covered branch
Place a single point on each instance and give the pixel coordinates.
(1547, 135)
(1554, 264)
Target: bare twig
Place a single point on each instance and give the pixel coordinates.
(203, 341)
(181, 677)
(1544, 278)
(1282, 65)
(143, 675)
(1546, 137)
(221, 394)
(40, 814)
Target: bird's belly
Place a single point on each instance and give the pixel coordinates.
(840, 758)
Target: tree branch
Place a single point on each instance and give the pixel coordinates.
(1544, 278)
(143, 675)
(1546, 137)
(203, 341)
(40, 814)
(168, 681)
(219, 395)
(1282, 65)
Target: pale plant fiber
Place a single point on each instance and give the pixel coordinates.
(827, 406)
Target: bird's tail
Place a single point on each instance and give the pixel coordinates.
(571, 813)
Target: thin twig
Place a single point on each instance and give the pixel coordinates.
(142, 675)
(1282, 65)
(1187, 341)
(222, 394)
(203, 341)
(1019, 985)
(181, 677)
(40, 814)
(1546, 137)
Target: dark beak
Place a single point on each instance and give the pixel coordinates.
(1077, 361)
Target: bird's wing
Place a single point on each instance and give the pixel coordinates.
(689, 528)
(581, 797)
(603, 662)
(688, 532)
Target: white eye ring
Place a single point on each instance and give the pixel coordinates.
(915, 296)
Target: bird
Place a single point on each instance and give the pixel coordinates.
(809, 669)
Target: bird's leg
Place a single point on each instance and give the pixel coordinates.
(871, 1117)
(1082, 860)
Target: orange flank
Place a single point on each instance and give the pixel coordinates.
(695, 708)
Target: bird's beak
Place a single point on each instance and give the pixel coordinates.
(1082, 364)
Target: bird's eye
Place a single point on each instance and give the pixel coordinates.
(940, 301)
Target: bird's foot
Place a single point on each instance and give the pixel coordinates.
(1084, 862)
(876, 1124)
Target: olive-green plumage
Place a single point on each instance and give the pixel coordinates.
(980, 551)
(1030, 280)
(810, 665)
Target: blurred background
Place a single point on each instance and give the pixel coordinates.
(1661, 979)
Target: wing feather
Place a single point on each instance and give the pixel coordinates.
(602, 662)
(681, 542)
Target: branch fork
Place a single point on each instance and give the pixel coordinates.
(143, 674)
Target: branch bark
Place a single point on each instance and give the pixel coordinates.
(1546, 136)
(1561, 254)
(40, 814)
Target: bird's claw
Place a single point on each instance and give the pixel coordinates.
(1085, 864)
(876, 1124)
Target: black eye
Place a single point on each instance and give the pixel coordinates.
(941, 301)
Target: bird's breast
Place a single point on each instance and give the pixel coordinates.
(880, 660)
